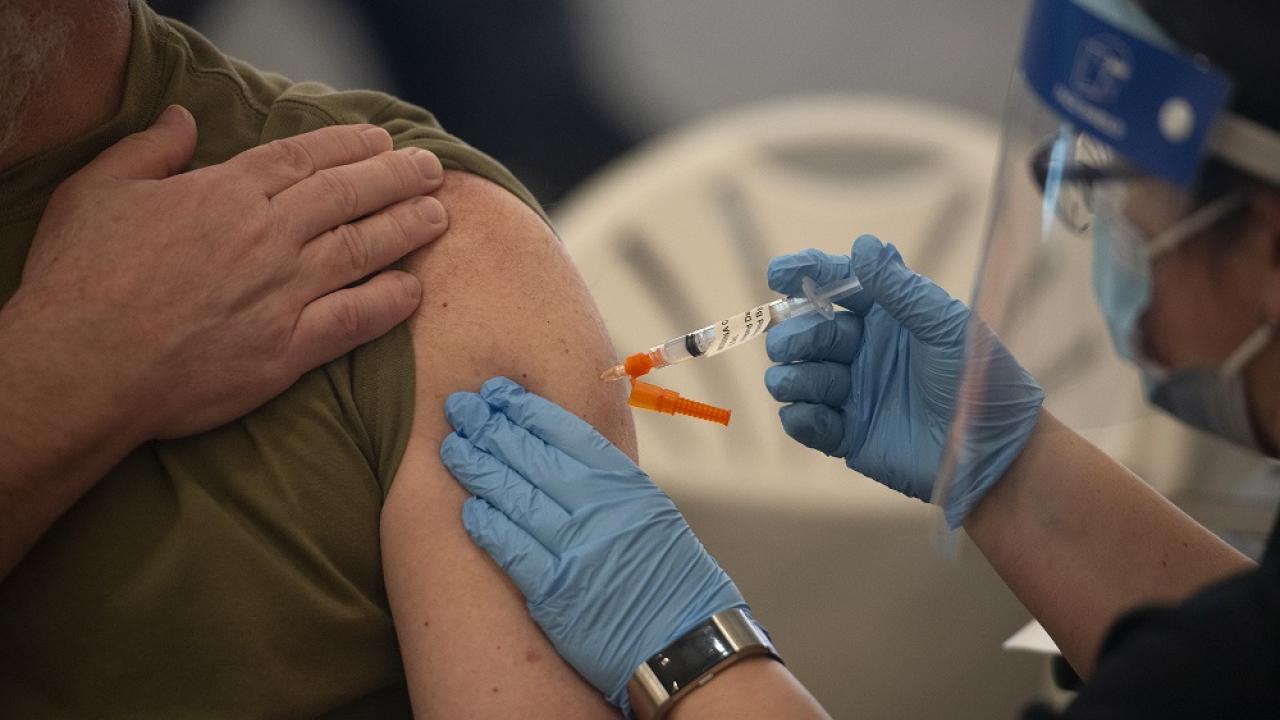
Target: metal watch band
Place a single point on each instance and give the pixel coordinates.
(693, 659)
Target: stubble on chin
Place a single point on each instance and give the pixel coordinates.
(32, 43)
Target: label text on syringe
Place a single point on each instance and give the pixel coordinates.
(738, 329)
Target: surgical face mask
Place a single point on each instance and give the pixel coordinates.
(1121, 279)
(1210, 399)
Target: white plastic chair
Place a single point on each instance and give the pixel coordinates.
(844, 572)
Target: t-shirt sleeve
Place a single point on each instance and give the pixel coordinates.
(1215, 656)
(316, 105)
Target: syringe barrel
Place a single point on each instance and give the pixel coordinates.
(682, 348)
(715, 339)
(734, 330)
(787, 308)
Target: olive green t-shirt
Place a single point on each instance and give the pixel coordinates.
(237, 573)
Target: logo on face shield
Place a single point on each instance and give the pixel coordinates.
(1103, 67)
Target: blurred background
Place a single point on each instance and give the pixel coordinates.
(680, 144)
(557, 88)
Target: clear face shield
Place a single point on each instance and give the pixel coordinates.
(1117, 151)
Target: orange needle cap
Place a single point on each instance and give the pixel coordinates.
(651, 397)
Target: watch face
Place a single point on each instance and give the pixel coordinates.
(689, 657)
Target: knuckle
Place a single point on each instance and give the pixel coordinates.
(353, 141)
(402, 223)
(355, 246)
(348, 319)
(403, 171)
(828, 339)
(341, 191)
(292, 154)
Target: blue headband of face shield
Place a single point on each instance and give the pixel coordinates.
(1107, 71)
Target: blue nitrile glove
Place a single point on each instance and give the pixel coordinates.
(609, 567)
(878, 386)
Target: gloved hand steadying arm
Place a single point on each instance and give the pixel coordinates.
(879, 384)
(610, 570)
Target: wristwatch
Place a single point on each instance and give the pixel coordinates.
(693, 659)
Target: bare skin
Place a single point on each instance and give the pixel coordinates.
(502, 297)
(105, 345)
(1081, 541)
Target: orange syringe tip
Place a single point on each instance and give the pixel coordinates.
(633, 367)
(638, 364)
(651, 397)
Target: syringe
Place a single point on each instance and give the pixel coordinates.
(735, 330)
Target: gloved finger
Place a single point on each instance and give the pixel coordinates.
(920, 305)
(467, 412)
(504, 487)
(556, 426)
(550, 469)
(815, 338)
(817, 426)
(824, 383)
(786, 272)
(530, 565)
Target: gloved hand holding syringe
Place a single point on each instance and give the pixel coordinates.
(732, 332)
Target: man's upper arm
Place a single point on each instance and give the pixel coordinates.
(501, 298)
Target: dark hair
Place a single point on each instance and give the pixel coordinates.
(1237, 36)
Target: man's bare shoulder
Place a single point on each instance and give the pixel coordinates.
(501, 297)
(500, 284)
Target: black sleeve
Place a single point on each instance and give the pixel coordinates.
(1215, 656)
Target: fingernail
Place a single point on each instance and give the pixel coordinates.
(377, 139)
(431, 209)
(171, 115)
(412, 287)
(428, 164)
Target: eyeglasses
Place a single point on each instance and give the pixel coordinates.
(1070, 168)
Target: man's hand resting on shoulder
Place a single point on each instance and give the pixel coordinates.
(156, 303)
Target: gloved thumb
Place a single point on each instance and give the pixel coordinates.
(161, 150)
(920, 305)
